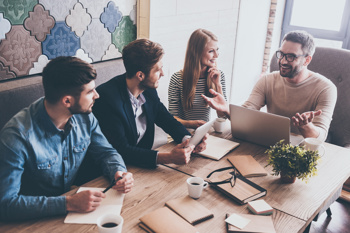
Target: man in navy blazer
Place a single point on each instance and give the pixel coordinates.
(129, 107)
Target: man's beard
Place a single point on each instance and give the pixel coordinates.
(293, 71)
(76, 109)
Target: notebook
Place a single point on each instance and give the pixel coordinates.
(260, 207)
(257, 223)
(189, 209)
(111, 204)
(262, 128)
(247, 165)
(242, 192)
(165, 220)
(218, 147)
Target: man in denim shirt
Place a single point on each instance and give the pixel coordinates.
(42, 147)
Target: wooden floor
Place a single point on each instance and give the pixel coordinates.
(339, 222)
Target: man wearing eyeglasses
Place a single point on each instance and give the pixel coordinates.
(306, 97)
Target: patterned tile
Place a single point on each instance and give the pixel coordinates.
(125, 6)
(78, 19)
(95, 7)
(124, 34)
(132, 14)
(39, 65)
(16, 11)
(111, 52)
(61, 42)
(5, 72)
(5, 26)
(111, 17)
(83, 56)
(19, 50)
(39, 23)
(58, 9)
(95, 40)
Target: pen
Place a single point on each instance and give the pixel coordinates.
(112, 184)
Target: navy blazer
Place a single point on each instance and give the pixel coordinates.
(116, 118)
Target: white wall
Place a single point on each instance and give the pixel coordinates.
(173, 21)
(251, 36)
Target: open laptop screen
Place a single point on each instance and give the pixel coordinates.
(258, 127)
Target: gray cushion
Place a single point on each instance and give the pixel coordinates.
(335, 65)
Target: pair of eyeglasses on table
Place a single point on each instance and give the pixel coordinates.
(231, 180)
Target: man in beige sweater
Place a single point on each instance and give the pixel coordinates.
(306, 97)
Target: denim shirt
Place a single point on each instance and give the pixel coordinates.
(39, 162)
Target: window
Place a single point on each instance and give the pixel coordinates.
(327, 20)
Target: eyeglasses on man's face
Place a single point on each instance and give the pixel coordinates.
(290, 57)
(231, 180)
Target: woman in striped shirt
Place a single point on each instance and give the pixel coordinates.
(198, 75)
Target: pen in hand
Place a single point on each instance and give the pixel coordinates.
(112, 184)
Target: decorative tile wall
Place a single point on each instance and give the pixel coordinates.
(33, 32)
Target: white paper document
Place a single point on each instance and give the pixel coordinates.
(112, 203)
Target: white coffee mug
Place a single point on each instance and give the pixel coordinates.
(110, 223)
(314, 144)
(219, 125)
(195, 186)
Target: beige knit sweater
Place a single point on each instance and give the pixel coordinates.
(286, 99)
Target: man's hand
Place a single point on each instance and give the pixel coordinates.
(181, 153)
(126, 182)
(304, 123)
(202, 145)
(85, 201)
(305, 118)
(217, 102)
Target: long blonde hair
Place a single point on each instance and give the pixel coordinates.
(192, 67)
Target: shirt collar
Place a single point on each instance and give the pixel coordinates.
(137, 102)
(49, 127)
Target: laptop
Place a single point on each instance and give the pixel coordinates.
(265, 129)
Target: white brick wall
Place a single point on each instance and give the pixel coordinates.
(173, 21)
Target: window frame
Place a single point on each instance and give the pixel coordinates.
(342, 35)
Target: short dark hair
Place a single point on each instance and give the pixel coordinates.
(141, 55)
(304, 38)
(66, 76)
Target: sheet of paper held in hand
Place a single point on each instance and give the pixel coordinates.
(112, 203)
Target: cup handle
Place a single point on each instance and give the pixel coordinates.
(205, 184)
(324, 150)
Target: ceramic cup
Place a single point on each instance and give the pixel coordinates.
(195, 186)
(219, 125)
(110, 223)
(314, 144)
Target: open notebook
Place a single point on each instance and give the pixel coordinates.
(216, 147)
(111, 204)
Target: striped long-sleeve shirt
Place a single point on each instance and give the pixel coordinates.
(200, 110)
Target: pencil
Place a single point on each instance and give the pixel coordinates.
(112, 184)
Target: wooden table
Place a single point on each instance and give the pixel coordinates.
(295, 204)
(301, 200)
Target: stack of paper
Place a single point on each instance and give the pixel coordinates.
(260, 207)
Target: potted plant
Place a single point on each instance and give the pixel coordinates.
(292, 162)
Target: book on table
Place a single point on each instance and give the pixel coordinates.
(247, 166)
(260, 207)
(165, 220)
(189, 209)
(177, 216)
(216, 147)
(257, 223)
(242, 192)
